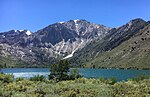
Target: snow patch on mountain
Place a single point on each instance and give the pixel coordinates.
(69, 56)
(28, 32)
(3, 36)
(76, 21)
(61, 22)
(21, 30)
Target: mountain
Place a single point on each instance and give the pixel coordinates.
(46, 46)
(90, 55)
(14, 37)
(133, 53)
(66, 37)
(85, 44)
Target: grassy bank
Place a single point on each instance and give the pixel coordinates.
(82, 87)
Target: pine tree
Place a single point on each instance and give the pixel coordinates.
(59, 71)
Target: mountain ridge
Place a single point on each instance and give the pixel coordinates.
(115, 38)
(79, 40)
(56, 40)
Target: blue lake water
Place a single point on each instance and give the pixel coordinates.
(87, 73)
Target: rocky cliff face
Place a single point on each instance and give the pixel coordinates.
(15, 37)
(65, 38)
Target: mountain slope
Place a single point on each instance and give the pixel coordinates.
(115, 37)
(133, 53)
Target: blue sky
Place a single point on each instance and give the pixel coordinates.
(36, 14)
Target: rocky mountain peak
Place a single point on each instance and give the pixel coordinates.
(137, 20)
(71, 30)
(65, 38)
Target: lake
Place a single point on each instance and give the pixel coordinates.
(120, 74)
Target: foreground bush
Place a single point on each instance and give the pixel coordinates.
(74, 74)
(6, 78)
(132, 89)
(38, 78)
(139, 78)
(80, 87)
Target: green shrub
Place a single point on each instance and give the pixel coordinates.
(74, 73)
(38, 78)
(110, 81)
(139, 78)
(19, 79)
(6, 78)
(102, 79)
(81, 87)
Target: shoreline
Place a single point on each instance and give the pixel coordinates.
(130, 68)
